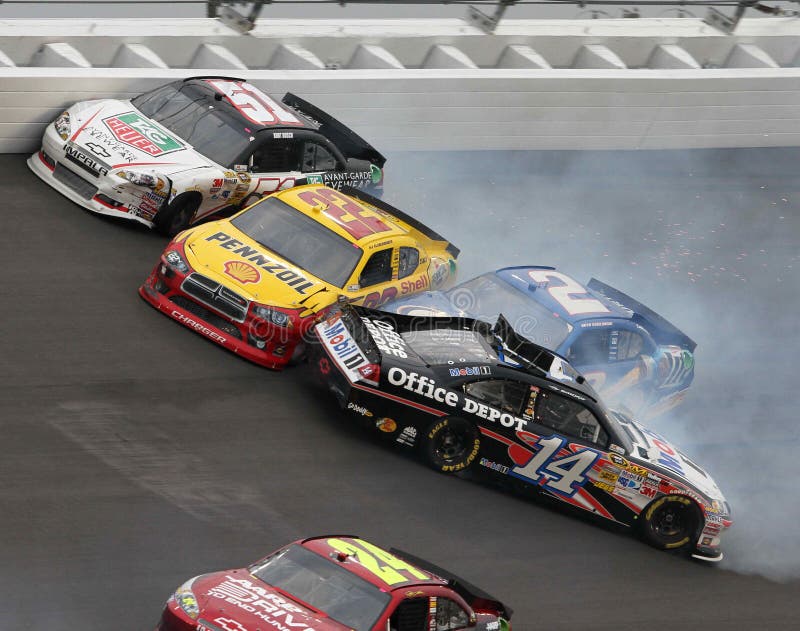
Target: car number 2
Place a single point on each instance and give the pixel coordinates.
(571, 295)
(564, 475)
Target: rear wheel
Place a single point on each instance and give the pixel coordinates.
(178, 215)
(670, 522)
(451, 444)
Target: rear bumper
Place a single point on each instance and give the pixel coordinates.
(161, 294)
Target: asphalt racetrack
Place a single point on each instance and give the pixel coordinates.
(136, 454)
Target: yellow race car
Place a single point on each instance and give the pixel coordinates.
(253, 283)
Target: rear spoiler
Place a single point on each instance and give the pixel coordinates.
(531, 355)
(538, 359)
(399, 214)
(475, 596)
(212, 76)
(663, 332)
(353, 145)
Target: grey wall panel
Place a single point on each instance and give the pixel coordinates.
(484, 107)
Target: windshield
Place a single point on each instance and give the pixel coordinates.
(486, 297)
(300, 240)
(439, 346)
(324, 585)
(189, 114)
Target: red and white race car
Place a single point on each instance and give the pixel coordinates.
(333, 583)
(195, 148)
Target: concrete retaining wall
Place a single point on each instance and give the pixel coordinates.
(405, 84)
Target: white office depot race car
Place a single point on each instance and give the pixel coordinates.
(195, 148)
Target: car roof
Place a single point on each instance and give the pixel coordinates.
(370, 562)
(292, 119)
(524, 359)
(293, 197)
(518, 277)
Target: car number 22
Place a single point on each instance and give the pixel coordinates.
(357, 221)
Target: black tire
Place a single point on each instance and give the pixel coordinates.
(299, 355)
(451, 444)
(670, 522)
(178, 215)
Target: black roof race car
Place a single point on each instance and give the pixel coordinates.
(463, 392)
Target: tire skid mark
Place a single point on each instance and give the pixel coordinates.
(151, 459)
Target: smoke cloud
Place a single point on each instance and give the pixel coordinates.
(708, 239)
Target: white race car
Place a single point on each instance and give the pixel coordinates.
(197, 147)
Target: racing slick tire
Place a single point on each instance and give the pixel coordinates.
(670, 522)
(451, 444)
(178, 215)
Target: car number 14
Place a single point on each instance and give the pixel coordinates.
(563, 475)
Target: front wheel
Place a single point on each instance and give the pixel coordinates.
(178, 215)
(670, 522)
(451, 444)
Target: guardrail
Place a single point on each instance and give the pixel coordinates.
(423, 85)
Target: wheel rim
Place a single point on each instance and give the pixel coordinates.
(451, 444)
(669, 523)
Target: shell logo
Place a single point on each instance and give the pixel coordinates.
(243, 272)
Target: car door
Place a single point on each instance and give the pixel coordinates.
(561, 441)
(274, 164)
(375, 279)
(321, 162)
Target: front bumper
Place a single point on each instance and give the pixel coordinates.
(708, 546)
(164, 293)
(90, 190)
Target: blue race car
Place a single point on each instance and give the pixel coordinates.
(632, 356)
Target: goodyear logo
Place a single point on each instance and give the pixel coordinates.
(136, 131)
(289, 277)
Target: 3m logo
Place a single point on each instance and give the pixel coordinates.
(137, 132)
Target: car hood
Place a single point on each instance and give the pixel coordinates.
(428, 303)
(237, 601)
(656, 450)
(119, 135)
(222, 252)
